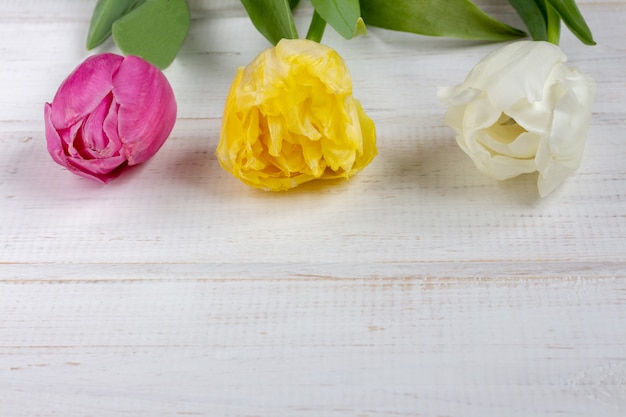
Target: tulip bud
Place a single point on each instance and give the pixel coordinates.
(290, 117)
(521, 110)
(109, 113)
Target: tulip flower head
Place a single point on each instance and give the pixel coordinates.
(521, 110)
(109, 113)
(290, 117)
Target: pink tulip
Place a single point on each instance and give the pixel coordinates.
(111, 112)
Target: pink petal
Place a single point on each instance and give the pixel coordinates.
(147, 111)
(110, 129)
(99, 169)
(59, 153)
(53, 139)
(71, 144)
(94, 140)
(84, 89)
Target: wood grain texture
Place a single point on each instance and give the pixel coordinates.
(309, 346)
(418, 288)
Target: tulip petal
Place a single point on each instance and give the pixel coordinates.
(147, 108)
(506, 137)
(71, 141)
(501, 167)
(457, 95)
(109, 128)
(320, 61)
(53, 138)
(504, 74)
(84, 89)
(100, 168)
(480, 113)
(537, 116)
(57, 150)
(94, 141)
(368, 132)
(524, 146)
(561, 154)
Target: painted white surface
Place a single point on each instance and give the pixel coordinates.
(418, 288)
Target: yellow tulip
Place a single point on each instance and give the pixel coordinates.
(290, 118)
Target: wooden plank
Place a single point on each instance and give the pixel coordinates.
(426, 347)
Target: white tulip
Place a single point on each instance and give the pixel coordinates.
(521, 110)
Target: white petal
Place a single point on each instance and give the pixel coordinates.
(503, 167)
(523, 146)
(516, 71)
(457, 95)
(479, 114)
(561, 154)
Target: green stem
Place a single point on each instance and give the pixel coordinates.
(316, 28)
(554, 24)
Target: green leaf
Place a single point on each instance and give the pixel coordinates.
(533, 17)
(554, 24)
(316, 28)
(543, 6)
(343, 15)
(104, 15)
(574, 20)
(452, 18)
(293, 3)
(154, 31)
(273, 18)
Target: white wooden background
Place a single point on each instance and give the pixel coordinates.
(418, 288)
